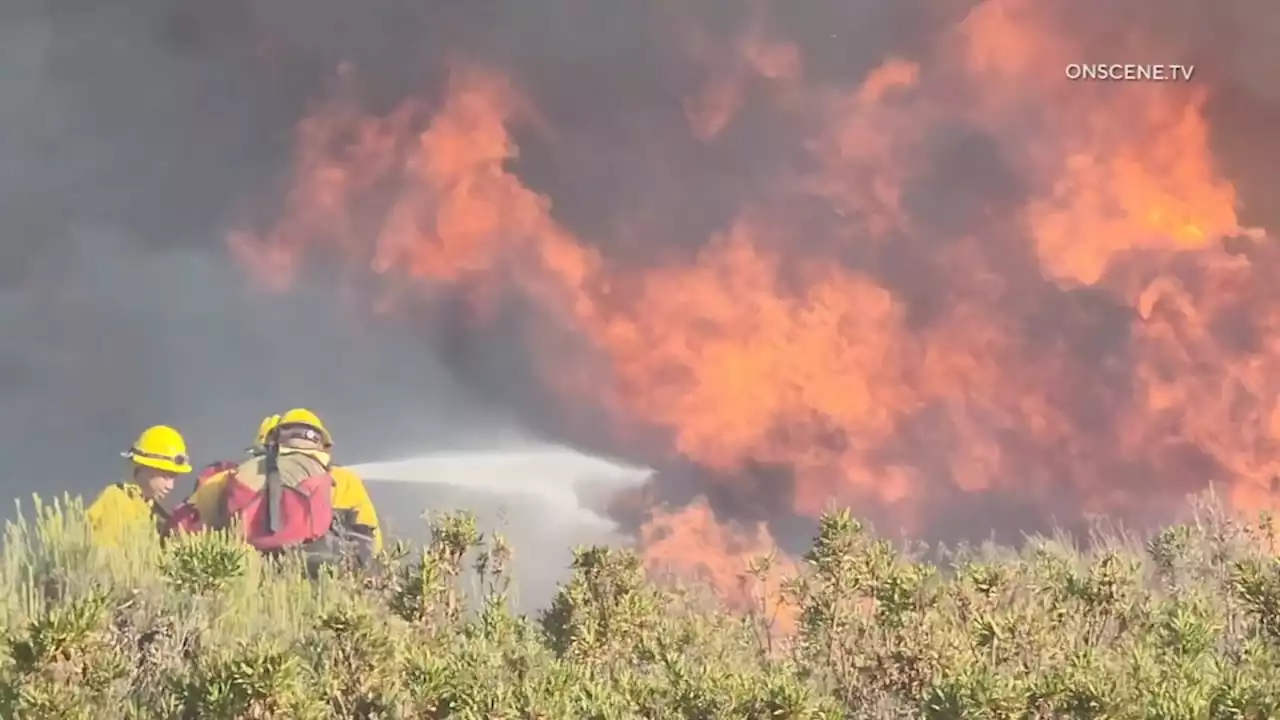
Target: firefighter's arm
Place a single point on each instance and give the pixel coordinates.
(349, 493)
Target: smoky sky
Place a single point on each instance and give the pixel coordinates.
(129, 138)
(135, 134)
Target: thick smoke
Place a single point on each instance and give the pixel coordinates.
(130, 135)
(135, 134)
(131, 138)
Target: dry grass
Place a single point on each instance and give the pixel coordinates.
(1183, 625)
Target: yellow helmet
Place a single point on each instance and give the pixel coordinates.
(162, 448)
(304, 418)
(269, 423)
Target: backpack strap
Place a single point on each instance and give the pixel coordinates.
(161, 515)
(273, 486)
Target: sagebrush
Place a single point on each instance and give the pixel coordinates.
(1184, 624)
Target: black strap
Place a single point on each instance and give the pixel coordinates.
(274, 488)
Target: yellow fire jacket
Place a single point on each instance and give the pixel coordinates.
(117, 508)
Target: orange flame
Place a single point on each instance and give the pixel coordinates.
(785, 343)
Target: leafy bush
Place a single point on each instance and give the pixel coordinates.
(1185, 624)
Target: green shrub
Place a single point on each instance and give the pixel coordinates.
(1183, 624)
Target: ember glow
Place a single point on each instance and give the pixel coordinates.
(971, 275)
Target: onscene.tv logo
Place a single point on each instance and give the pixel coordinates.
(1131, 72)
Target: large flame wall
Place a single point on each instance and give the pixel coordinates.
(961, 274)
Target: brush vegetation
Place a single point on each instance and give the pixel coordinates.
(1183, 624)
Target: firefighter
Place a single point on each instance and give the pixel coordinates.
(156, 459)
(268, 424)
(303, 451)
